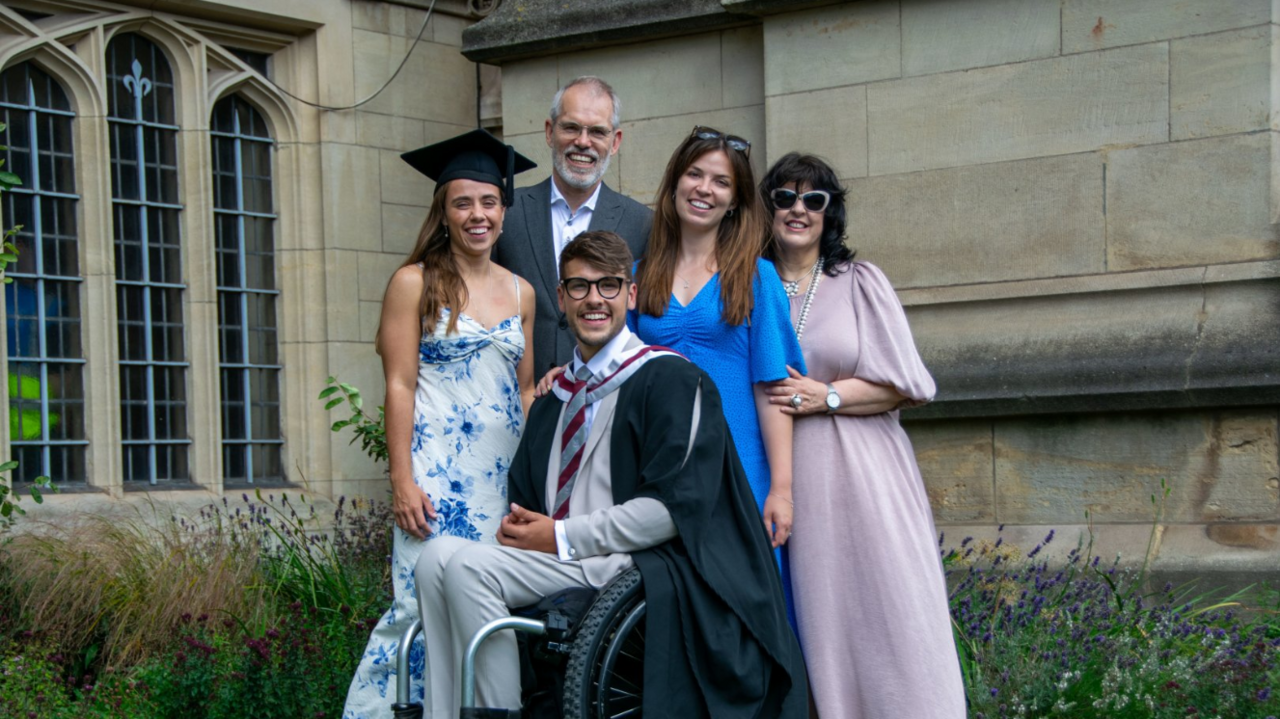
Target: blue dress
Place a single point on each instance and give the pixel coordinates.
(735, 357)
(467, 424)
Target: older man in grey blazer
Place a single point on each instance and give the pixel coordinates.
(583, 133)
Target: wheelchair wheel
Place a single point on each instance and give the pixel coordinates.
(605, 675)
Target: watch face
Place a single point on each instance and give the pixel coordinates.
(833, 400)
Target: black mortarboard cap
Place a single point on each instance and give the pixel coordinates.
(476, 155)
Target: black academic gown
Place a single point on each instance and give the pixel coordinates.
(717, 641)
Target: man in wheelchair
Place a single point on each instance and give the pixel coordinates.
(628, 462)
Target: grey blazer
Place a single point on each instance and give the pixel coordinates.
(526, 249)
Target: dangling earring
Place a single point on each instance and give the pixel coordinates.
(728, 212)
(446, 231)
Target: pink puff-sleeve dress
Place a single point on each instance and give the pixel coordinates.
(870, 597)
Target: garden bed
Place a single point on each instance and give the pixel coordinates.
(251, 610)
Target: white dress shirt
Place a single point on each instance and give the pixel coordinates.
(567, 224)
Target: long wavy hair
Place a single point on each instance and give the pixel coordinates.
(814, 172)
(739, 240)
(442, 283)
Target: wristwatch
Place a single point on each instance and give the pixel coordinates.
(833, 399)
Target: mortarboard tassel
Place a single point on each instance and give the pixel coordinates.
(510, 199)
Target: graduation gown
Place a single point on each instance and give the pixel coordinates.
(717, 641)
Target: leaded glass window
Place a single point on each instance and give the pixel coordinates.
(148, 255)
(245, 246)
(42, 304)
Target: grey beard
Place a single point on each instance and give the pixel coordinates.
(576, 181)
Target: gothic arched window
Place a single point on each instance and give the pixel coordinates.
(244, 227)
(42, 304)
(149, 287)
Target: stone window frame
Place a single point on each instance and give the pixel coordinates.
(70, 45)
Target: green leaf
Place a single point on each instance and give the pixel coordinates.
(357, 401)
(339, 424)
(9, 178)
(6, 509)
(333, 403)
(36, 495)
(327, 392)
(8, 257)
(11, 464)
(348, 388)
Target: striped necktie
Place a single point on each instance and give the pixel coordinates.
(573, 437)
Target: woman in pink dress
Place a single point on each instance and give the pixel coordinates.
(870, 598)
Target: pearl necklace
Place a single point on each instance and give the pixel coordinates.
(808, 297)
(791, 287)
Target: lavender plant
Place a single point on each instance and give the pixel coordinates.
(1087, 639)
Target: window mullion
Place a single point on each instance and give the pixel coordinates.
(37, 245)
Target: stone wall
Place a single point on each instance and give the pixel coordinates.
(667, 87)
(1075, 199)
(376, 203)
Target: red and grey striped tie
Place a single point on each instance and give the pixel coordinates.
(573, 437)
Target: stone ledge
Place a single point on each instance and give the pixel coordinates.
(1086, 284)
(1212, 550)
(157, 507)
(1201, 345)
(531, 28)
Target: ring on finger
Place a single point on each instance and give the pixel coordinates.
(796, 400)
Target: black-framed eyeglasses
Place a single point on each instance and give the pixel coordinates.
(741, 144)
(579, 287)
(813, 200)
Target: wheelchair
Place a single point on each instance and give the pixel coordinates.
(604, 672)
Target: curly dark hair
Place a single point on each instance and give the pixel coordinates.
(814, 172)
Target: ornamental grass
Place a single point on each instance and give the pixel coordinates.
(248, 609)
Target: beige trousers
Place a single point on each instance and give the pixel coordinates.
(462, 586)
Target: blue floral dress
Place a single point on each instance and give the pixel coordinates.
(467, 423)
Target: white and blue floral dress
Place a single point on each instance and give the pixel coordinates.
(467, 423)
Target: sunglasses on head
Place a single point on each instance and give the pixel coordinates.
(578, 287)
(740, 144)
(813, 200)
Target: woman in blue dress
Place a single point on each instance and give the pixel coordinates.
(705, 292)
(454, 330)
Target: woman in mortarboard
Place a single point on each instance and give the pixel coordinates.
(452, 339)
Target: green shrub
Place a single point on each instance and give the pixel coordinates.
(31, 683)
(299, 667)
